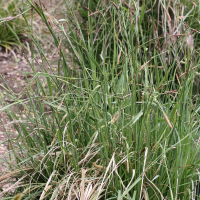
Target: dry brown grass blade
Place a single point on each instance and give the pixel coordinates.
(106, 175)
(115, 117)
(178, 79)
(82, 185)
(127, 164)
(177, 113)
(12, 187)
(159, 67)
(14, 174)
(170, 92)
(167, 119)
(156, 188)
(133, 172)
(54, 140)
(98, 166)
(168, 15)
(143, 65)
(59, 46)
(60, 105)
(143, 173)
(44, 192)
(185, 73)
(115, 5)
(87, 9)
(94, 13)
(7, 19)
(118, 58)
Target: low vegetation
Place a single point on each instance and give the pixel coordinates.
(121, 119)
(11, 24)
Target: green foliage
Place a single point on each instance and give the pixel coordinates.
(8, 26)
(126, 126)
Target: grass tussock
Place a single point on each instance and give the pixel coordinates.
(123, 115)
(11, 25)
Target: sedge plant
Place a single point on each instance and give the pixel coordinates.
(123, 126)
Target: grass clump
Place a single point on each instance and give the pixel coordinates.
(11, 24)
(126, 124)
